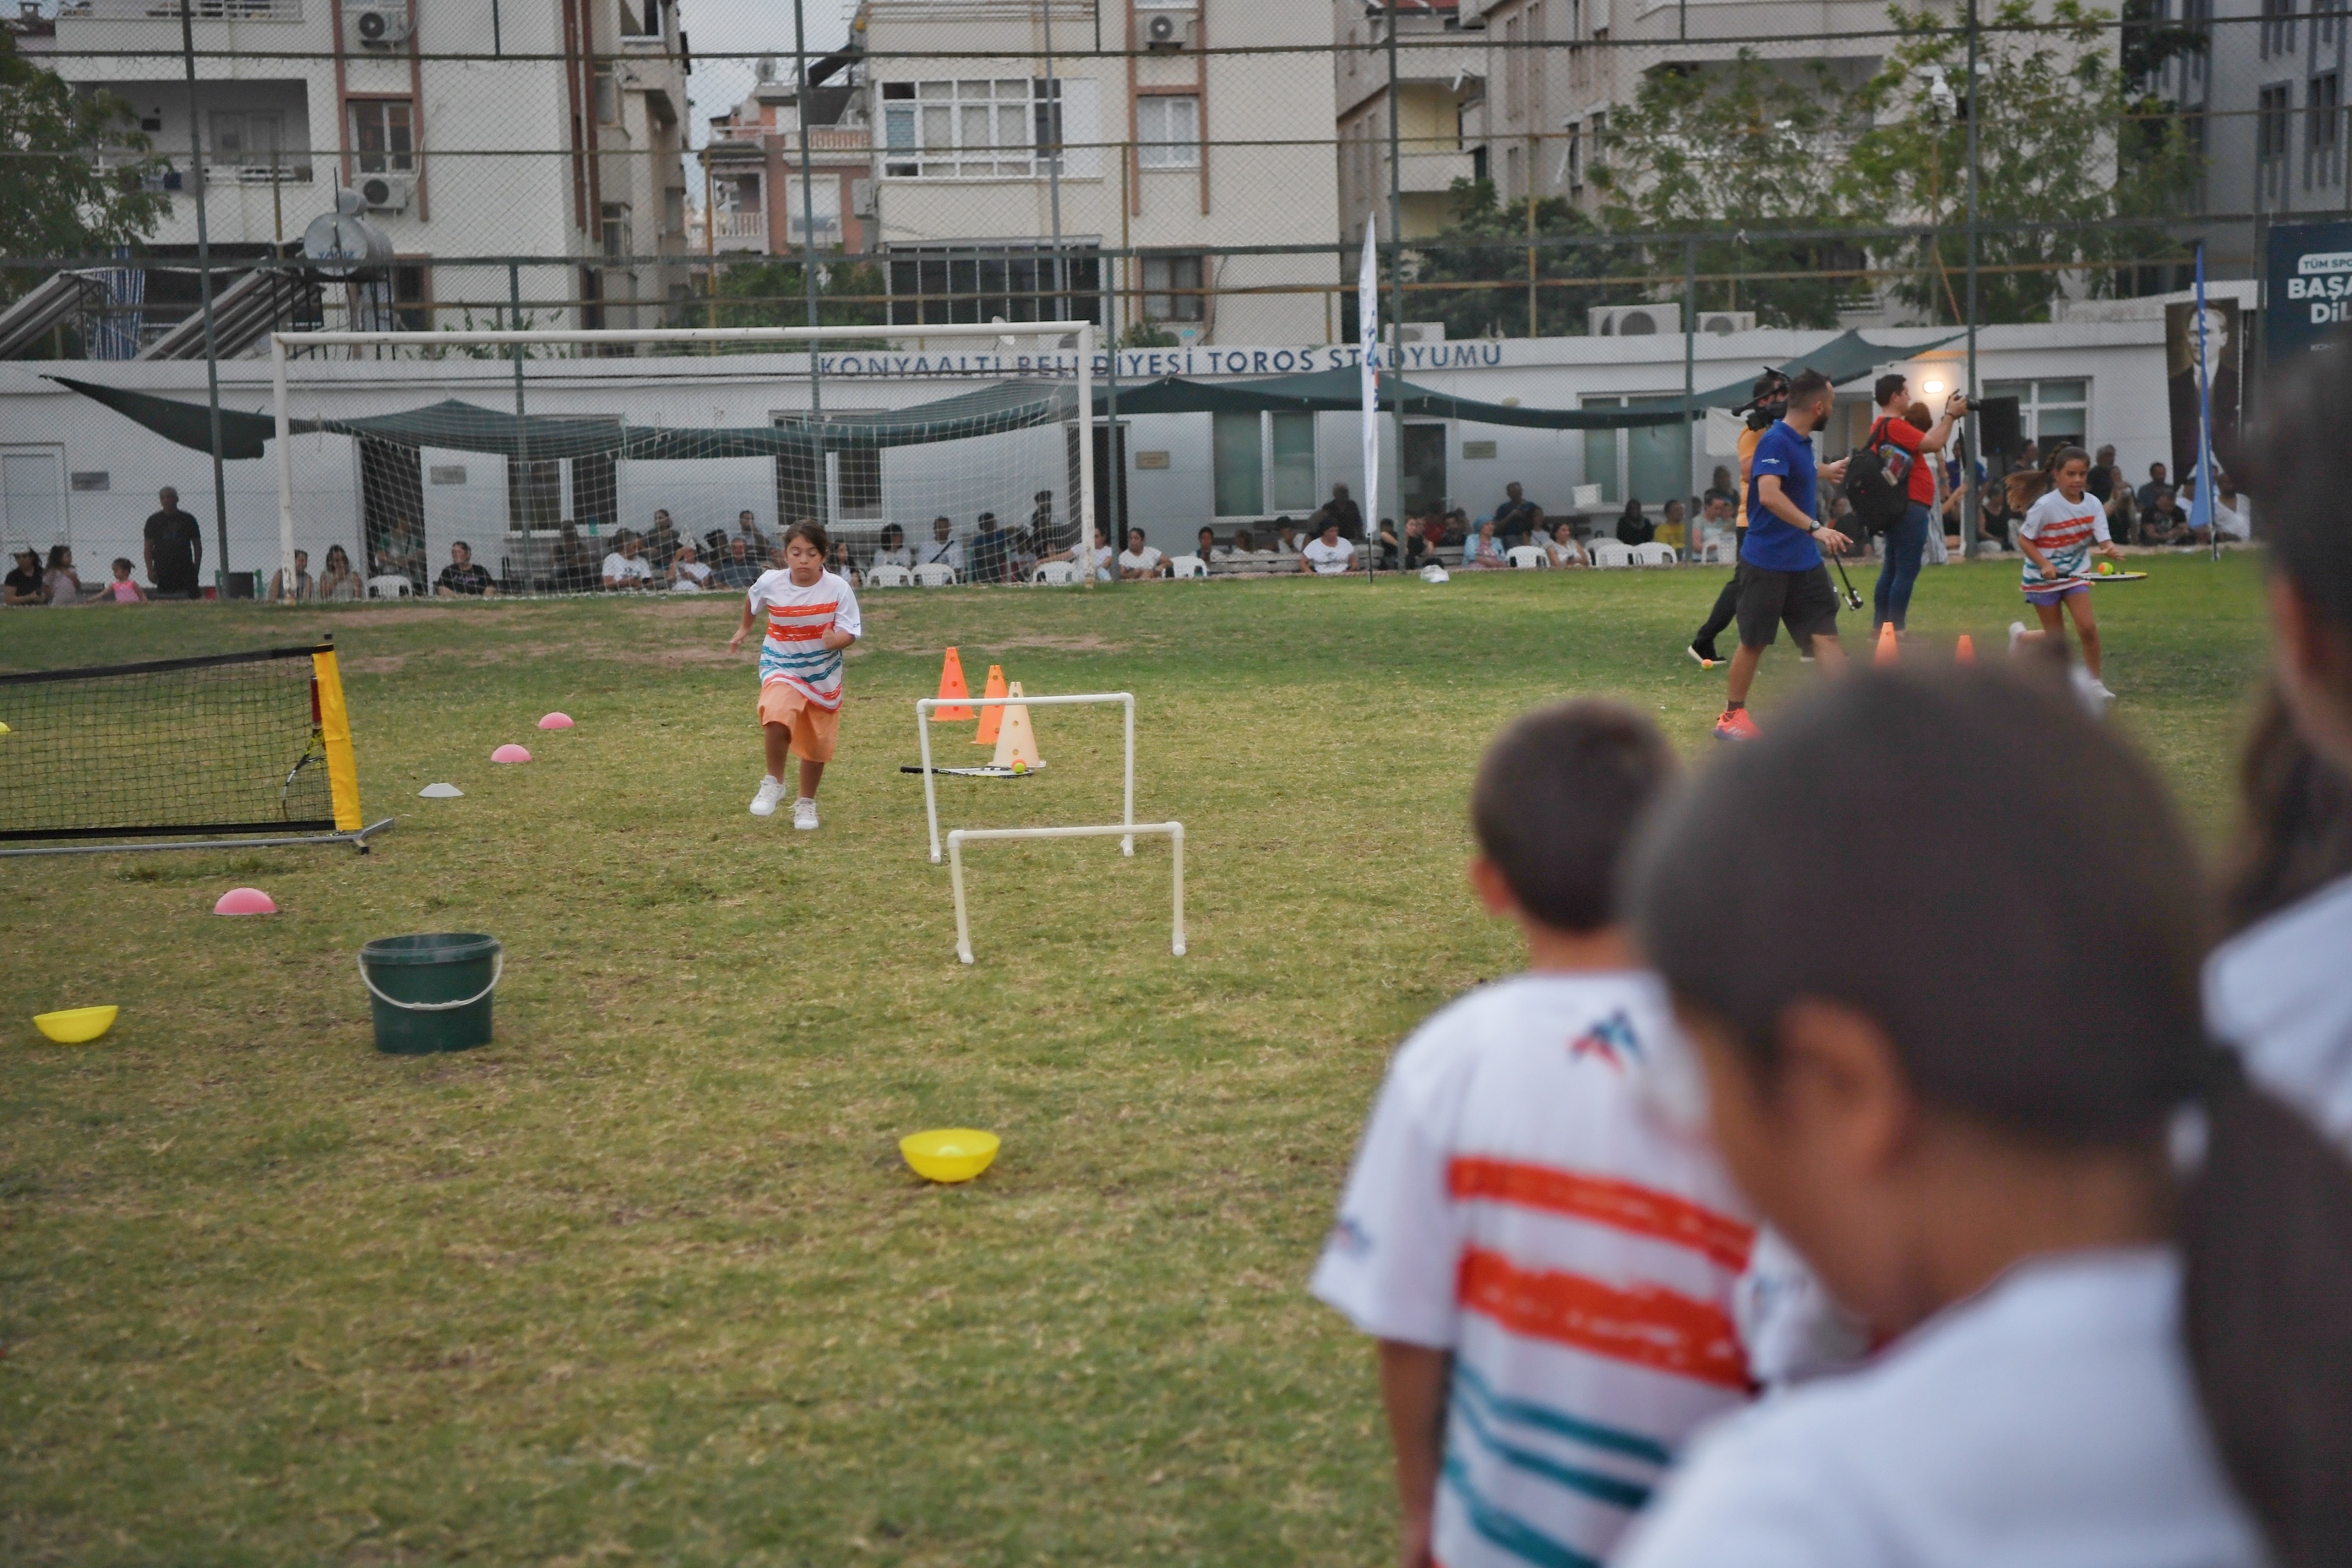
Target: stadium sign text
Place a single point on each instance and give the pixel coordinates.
(1150, 364)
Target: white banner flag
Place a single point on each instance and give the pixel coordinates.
(1368, 317)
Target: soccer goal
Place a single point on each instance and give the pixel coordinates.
(582, 461)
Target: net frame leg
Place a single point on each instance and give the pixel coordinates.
(357, 838)
(961, 835)
(924, 706)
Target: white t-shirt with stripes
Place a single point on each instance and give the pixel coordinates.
(1516, 1201)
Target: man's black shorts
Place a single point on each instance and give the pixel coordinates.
(1803, 599)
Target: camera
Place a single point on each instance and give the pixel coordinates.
(1767, 399)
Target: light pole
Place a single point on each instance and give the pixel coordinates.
(204, 292)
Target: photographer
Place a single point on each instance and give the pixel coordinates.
(1908, 537)
(1766, 401)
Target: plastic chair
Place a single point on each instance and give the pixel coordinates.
(1526, 557)
(1054, 575)
(889, 577)
(1654, 553)
(1609, 552)
(935, 575)
(1188, 566)
(390, 585)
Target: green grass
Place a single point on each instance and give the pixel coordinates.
(645, 1279)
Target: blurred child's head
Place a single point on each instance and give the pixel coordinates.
(121, 569)
(2298, 469)
(1554, 806)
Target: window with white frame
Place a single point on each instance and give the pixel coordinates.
(2049, 410)
(1168, 131)
(383, 134)
(1265, 463)
(974, 129)
(1172, 288)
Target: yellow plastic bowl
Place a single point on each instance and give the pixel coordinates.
(950, 1153)
(76, 1025)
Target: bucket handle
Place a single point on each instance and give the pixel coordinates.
(498, 967)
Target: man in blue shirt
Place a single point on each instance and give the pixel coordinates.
(1781, 572)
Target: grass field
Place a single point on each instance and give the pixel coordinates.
(645, 1281)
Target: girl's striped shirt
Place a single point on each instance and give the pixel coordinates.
(792, 648)
(2064, 531)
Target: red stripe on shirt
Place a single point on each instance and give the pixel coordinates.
(1645, 1325)
(1603, 1200)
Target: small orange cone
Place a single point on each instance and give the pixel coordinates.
(952, 689)
(1966, 653)
(991, 718)
(1016, 743)
(1885, 654)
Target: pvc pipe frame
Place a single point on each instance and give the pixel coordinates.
(930, 790)
(956, 840)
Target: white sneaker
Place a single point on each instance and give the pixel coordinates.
(764, 803)
(2092, 692)
(2016, 633)
(804, 814)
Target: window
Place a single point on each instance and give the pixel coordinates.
(899, 138)
(1168, 131)
(2274, 108)
(2278, 28)
(1051, 136)
(1514, 50)
(1171, 290)
(616, 240)
(1646, 463)
(2048, 410)
(384, 134)
(962, 129)
(674, 209)
(1265, 463)
(246, 139)
(411, 294)
(2324, 133)
(934, 283)
(608, 101)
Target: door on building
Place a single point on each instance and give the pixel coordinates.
(33, 498)
(1424, 470)
(391, 511)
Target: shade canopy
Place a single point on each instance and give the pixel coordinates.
(1844, 358)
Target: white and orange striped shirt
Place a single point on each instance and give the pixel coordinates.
(1516, 1201)
(792, 648)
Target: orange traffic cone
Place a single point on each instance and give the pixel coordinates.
(991, 718)
(1885, 654)
(1016, 743)
(1966, 652)
(952, 689)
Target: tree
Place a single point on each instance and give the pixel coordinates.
(59, 195)
(2055, 113)
(1742, 145)
(769, 293)
(1486, 244)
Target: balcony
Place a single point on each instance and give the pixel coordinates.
(1428, 173)
(169, 10)
(740, 230)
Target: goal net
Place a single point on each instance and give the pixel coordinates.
(565, 462)
(236, 744)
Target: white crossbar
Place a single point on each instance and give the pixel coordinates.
(923, 733)
(956, 840)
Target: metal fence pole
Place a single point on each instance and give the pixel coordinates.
(204, 287)
(1396, 299)
(1971, 500)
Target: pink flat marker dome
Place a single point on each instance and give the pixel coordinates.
(245, 902)
(556, 722)
(509, 753)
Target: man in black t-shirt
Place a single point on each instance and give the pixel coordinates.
(24, 582)
(175, 548)
(462, 577)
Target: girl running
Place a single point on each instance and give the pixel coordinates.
(2059, 534)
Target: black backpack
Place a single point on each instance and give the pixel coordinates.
(1878, 480)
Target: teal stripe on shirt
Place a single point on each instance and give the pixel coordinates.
(1510, 1532)
(1559, 1423)
(1607, 1489)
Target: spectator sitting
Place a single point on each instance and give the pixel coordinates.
(1724, 485)
(2156, 481)
(736, 569)
(1044, 533)
(1024, 554)
(687, 574)
(1671, 528)
(2107, 485)
(1632, 526)
(747, 528)
(1340, 509)
(1561, 548)
(627, 571)
(992, 552)
(1238, 549)
(1387, 540)
(842, 565)
(661, 545)
(893, 551)
(1517, 519)
(123, 590)
(2232, 518)
(943, 550)
(1285, 537)
(1139, 560)
(337, 583)
(1417, 551)
(1457, 527)
(304, 588)
(713, 547)
(1714, 523)
(1484, 552)
(461, 578)
(1328, 555)
(61, 582)
(1204, 544)
(23, 584)
(2163, 523)
(1105, 561)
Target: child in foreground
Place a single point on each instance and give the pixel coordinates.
(2058, 536)
(812, 616)
(1547, 1269)
(2112, 1279)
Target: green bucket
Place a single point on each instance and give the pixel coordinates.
(431, 993)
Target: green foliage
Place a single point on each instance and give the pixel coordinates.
(58, 196)
(771, 293)
(1485, 244)
(1142, 334)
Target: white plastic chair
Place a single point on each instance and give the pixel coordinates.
(1654, 554)
(1054, 574)
(390, 585)
(889, 577)
(1188, 566)
(1609, 552)
(1714, 550)
(935, 575)
(1527, 558)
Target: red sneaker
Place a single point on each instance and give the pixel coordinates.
(1736, 725)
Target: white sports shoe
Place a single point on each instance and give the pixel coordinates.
(2092, 692)
(2016, 633)
(764, 803)
(804, 814)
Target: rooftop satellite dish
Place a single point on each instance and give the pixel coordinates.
(344, 245)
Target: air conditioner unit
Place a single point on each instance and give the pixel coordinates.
(1636, 321)
(387, 192)
(378, 25)
(1723, 323)
(1171, 32)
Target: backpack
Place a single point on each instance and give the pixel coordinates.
(1878, 480)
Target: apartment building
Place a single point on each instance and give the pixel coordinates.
(1440, 76)
(555, 132)
(752, 165)
(1168, 149)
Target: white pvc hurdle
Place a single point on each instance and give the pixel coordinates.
(1175, 831)
(930, 792)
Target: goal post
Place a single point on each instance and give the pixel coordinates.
(530, 444)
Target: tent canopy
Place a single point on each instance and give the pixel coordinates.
(1844, 358)
(1337, 391)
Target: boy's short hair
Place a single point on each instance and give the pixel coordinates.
(1887, 386)
(1808, 387)
(808, 528)
(1555, 805)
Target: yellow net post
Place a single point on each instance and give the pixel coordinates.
(335, 734)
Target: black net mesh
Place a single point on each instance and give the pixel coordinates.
(228, 744)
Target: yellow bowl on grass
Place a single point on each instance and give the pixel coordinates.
(949, 1154)
(76, 1025)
